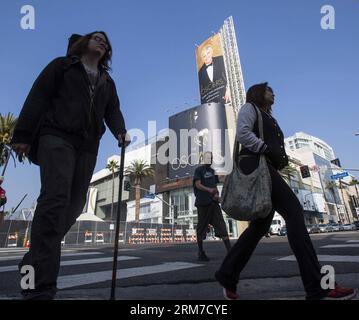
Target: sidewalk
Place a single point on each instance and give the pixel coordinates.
(249, 289)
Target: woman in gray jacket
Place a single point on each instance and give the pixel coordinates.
(284, 201)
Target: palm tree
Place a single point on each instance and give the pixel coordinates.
(7, 126)
(113, 166)
(138, 170)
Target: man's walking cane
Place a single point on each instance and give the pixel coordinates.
(115, 255)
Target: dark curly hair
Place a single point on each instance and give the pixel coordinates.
(255, 94)
(80, 47)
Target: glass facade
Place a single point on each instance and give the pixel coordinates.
(332, 195)
(184, 199)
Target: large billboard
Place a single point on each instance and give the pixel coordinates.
(197, 130)
(212, 125)
(212, 74)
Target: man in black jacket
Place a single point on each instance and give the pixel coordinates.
(59, 128)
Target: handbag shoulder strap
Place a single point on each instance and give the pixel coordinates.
(236, 150)
(260, 121)
(237, 147)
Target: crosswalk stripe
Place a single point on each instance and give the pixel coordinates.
(341, 246)
(63, 251)
(353, 241)
(13, 250)
(63, 255)
(23, 251)
(96, 260)
(76, 262)
(327, 258)
(95, 277)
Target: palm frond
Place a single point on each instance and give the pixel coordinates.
(112, 165)
(331, 185)
(139, 169)
(7, 126)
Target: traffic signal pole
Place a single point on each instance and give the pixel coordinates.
(172, 208)
(165, 202)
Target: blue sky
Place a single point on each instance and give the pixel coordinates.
(313, 72)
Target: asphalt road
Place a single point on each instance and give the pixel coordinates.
(163, 272)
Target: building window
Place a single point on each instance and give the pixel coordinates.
(328, 155)
(181, 200)
(300, 143)
(145, 208)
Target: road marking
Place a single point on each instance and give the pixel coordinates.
(353, 241)
(20, 250)
(95, 277)
(327, 258)
(341, 246)
(76, 262)
(24, 250)
(63, 255)
(14, 251)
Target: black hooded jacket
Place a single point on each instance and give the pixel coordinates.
(60, 103)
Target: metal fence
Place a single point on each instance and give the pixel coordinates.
(17, 233)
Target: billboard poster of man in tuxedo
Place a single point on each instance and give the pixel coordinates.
(211, 72)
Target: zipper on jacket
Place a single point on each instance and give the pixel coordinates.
(91, 95)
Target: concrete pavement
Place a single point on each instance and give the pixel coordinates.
(172, 272)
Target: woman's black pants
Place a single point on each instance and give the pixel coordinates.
(288, 206)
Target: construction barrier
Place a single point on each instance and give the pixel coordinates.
(18, 233)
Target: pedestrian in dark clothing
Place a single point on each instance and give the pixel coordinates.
(3, 198)
(284, 201)
(59, 128)
(207, 202)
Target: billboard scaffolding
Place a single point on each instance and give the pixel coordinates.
(233, 65)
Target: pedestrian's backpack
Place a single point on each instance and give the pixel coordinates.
(34, 146)
(74, 37)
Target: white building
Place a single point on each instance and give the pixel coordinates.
(314, 194)
(102, 182)
(301, 140)
(150, 210)
(311, 191)
(155, 210)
